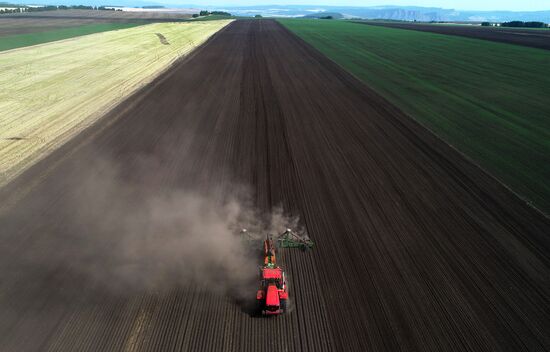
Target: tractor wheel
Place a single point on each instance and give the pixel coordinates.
(283, 305)
(259, 309)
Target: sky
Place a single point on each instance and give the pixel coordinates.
(511, 5)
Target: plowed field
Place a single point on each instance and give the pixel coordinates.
(535, 38)
(416, 248)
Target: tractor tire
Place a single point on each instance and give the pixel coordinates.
(259, 309)
(283, 306)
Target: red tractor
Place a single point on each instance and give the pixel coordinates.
(272, 295)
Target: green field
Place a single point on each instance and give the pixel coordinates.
(28, 39)
(489, 100)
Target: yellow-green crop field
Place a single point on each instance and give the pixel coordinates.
(50, 92)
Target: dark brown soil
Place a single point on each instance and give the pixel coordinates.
(526, 37)
(32, 22)
(416, 248)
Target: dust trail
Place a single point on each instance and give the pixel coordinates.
(127, 235)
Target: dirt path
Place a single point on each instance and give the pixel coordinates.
(416, 249)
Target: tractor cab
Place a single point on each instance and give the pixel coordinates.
(272, 276)
(272, 294)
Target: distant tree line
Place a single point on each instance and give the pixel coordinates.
(70, 7)
(208, 13)
(42, 8)
(11, 8)
(15, 10)
(524, 24)
(19, 8)
(516, 24)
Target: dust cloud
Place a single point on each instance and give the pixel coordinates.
(122, 234)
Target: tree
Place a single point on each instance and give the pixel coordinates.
(535, 24)
(258, 16)
(486, 24)
(524, 24)
(195, 15)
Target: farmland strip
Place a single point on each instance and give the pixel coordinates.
(525, 37)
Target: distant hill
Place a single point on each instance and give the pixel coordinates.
(427, 14)
(397, 13)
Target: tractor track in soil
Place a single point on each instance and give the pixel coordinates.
(416, 248)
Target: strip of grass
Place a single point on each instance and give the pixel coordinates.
(490, 100)
(28, 39)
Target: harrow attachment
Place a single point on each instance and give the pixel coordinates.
(287, 239)
(290, 239)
